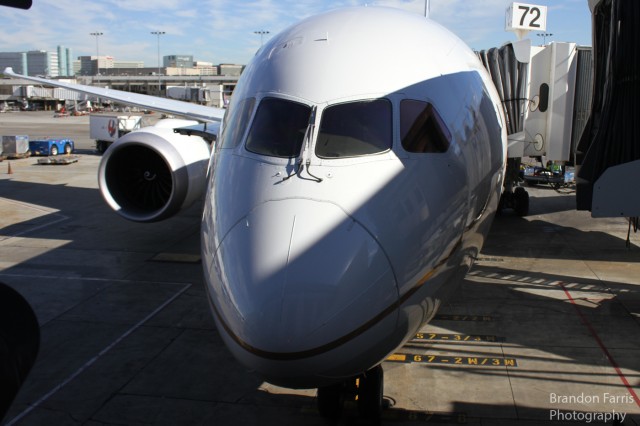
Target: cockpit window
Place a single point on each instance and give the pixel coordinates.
(421, 128)
(354, 129)
(235, 121)
(278, 128)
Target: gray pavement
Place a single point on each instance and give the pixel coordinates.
(545, 329)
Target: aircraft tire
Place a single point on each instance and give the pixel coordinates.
(370, 395)
(19, 344)
(330, 402)
(521, 201)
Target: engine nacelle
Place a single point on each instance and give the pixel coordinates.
(150, 174)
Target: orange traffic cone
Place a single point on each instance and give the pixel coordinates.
(9, 171)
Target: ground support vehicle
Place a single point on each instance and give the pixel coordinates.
(51, 146)
(107, 128)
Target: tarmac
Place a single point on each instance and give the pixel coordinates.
(544, 330)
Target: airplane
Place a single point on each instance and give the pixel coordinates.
(343, 202)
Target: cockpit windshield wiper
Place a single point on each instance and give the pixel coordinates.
(304, 159)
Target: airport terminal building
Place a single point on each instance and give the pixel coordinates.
(181, 77)
(40, 62)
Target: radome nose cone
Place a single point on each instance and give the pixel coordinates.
(298, 274)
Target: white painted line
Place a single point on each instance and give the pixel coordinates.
(115, 280)
(96, 358)
(40, 209)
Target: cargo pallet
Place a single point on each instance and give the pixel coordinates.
(59, 160)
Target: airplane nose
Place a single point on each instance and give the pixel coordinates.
(297, 277)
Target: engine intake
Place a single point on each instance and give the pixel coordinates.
(151, 174)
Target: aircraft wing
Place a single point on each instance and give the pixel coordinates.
(170, 106)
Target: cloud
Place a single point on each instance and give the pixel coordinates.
(148, 6)
(224, 30)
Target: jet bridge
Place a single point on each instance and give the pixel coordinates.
(538, 87)
(577, 106)
(609, 150)
(510, 77)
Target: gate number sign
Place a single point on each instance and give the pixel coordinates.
(522, 16)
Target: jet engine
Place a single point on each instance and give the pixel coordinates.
(150, 174)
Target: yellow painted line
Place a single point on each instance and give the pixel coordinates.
(454, 360)
(482, 318)
(455, 337)
(397, 358)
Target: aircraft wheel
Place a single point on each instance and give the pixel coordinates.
(19, 344)
(370, 395)
(54, 150)
(330, 401)
(521, 201)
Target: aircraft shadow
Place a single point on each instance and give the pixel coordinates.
(571, 236)
(100, 281)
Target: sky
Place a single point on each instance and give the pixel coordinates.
(224, 31)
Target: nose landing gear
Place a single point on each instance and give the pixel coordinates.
(366, 389)
(513, 196)
(517, 200)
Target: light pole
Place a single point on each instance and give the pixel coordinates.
(96, 35)
(158, 33)
(544, 37)
(261, 33)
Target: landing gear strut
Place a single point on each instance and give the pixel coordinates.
(367, 389)
(514, 197)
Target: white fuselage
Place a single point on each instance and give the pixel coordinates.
(317, 272)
